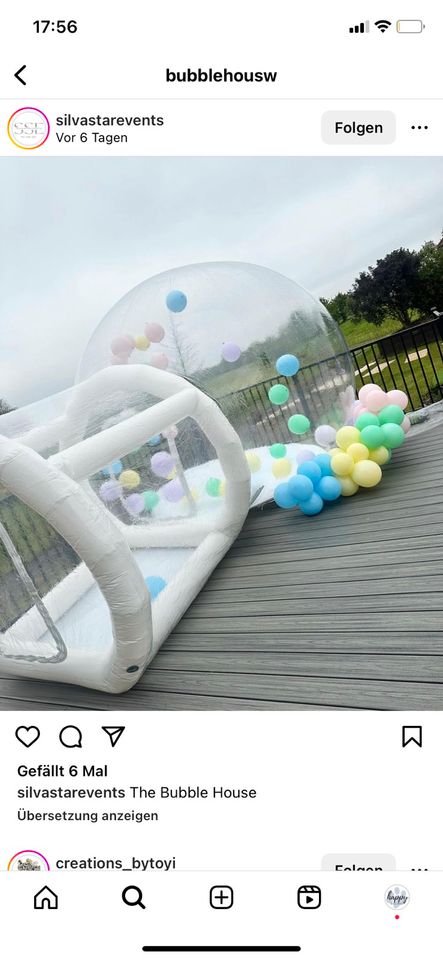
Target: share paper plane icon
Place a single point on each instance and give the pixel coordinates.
(114, 734)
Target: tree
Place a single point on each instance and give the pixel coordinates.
(341, 307)
(4, 407)
(392, 287)
(431, 277)
(186, 358)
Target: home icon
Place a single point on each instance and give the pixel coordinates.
(46, 899)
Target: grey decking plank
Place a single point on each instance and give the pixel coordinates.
(67, 697)
(311, 605)
(372, 539)
(341, 622)
(276, 590)
(285, 575)
(371, 694)
(362, 666)
(327, 566)
(431, 547)
(387, 528)
(366, 642)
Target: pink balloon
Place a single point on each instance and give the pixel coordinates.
(119, 360)
(376, 400)
(364, 391)
(406, 424)
(122, 346)
(160, 361)
(357, 408)
(154, 332)
(398, 397)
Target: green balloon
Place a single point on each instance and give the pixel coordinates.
(151, 499)
(278, 393)
(277, 450)
(393, 435)
(372, 437)
(391, 414)
(367, 420)
(212, 487)
(298, 423)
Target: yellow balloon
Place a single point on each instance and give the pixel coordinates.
(172, 474)
(253, 461)
(282, 468)
(129, 479)
(357, 451)
(142, 342)
(222, 488)
(342, 464)
(347, 435)
(380, 455)
(348, 486)
(366, 473)
(195, 494)
(334, 450)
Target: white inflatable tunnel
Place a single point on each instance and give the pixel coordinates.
(98, 625)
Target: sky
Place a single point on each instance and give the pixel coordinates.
(77, 234)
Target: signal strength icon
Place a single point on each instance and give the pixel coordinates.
(362, 27)
(383, 25)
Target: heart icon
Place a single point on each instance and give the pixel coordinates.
(27, 735)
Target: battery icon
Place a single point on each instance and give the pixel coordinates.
(410, 26)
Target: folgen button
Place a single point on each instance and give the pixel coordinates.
(348, 127)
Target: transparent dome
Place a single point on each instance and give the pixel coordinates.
(223, 326)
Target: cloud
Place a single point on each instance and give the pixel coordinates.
(75, 235)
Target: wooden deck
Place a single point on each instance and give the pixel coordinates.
(339, 611)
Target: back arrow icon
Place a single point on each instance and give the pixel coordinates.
(17, 75)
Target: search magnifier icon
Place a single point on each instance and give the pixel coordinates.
(133, 897)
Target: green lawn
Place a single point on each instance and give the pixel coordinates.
(417, 375)
(362, 332)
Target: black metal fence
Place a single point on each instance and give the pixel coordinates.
(411, 360)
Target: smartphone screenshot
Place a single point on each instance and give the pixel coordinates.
(221, 477)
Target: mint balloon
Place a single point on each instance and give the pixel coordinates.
(372, 437)
(391, 414)
(367, 420)
(393, 435)
(278, 393)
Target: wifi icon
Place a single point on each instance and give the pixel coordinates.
(383, 25)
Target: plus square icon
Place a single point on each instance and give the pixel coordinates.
(221, 898)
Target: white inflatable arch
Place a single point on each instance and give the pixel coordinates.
(58, 489)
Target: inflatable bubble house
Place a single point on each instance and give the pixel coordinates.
(119, 496)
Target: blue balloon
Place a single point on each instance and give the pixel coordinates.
(329, 488)
(301, 488)
(155, 585)
(312, 506)
(114, 469)
(283, 497)
(288, 365)
(176, 301)
(310, 469)
(324, 462)
(155, 440)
